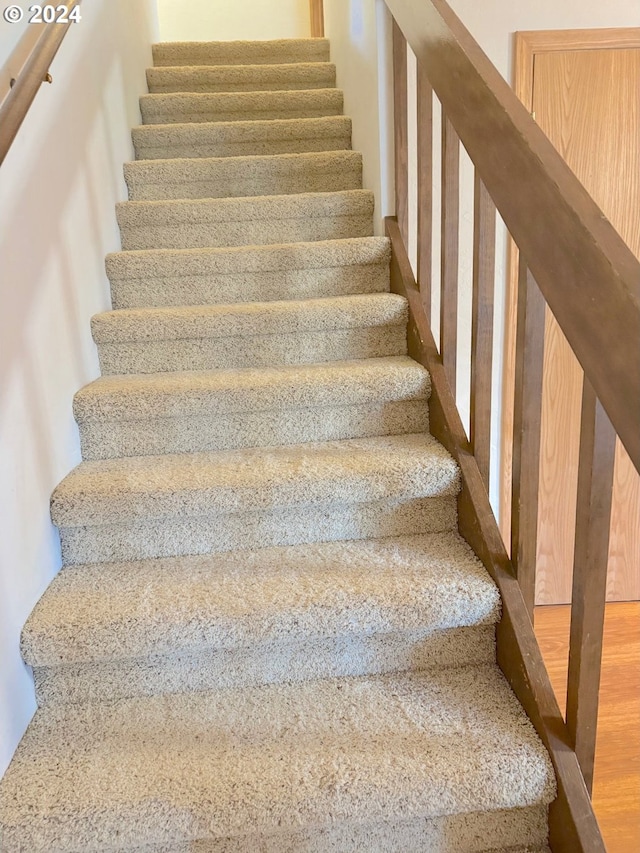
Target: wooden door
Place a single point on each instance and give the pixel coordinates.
(588, 102)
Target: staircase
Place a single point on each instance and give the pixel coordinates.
(268, 636)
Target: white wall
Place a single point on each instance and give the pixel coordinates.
(16, 43)
(360, 34)
(58, 187)
(223, 20)
(493, 22)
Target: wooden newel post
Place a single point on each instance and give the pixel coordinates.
(316, 12)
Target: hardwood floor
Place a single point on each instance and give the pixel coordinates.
(616, 789)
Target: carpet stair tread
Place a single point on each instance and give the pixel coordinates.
(178, 768)
(240, 52)
(183, 107)
(251, 334)
(166, 277)
(267, 635)
(183, 394)
(249, 318)
(242, 78)
(174, 212)
(237, 138)
(194, 411)
(353, 471)
(201, 223)
(234, 600)
(225, 177)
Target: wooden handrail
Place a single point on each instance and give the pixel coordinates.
(573, 828)
(587, 274)
(571, 258)
(34, 73)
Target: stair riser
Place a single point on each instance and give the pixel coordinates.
(230, 179)
(242, 138)
(107, 439)
(214, 669)
(182, 109)
(322, 522)
(186, 148)
(379, 721)
(466, 833)
(157, 290)
(285, 78)
(240, 52)
(425, 585)
(217, 353)
(476, 832)
(246, 233)
(463, 833)
(152, 114)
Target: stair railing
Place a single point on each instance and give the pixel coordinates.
(570, 259)
(33, 74)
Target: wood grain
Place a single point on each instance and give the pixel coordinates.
(572, 824)
(593, 519)
(616, 789)
(528, 46)
(425, 185)
(560, 432)
(543, 41)
(484, 266)
(508, 390)
(316, 15)
(449, 240)
(623, 580)
(587, 103)
(526, 432)
(400, 133)
(523, 85)
(528, 43)
(588, 276)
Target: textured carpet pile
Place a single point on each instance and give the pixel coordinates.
(267, 635)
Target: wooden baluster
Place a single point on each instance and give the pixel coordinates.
(316, 12)
(526, 431)
(425, 186)
(484, 264)
(449, 250)
(400, 131)
(593, 519)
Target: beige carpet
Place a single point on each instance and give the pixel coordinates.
(267, 636)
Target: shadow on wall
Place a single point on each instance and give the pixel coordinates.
(360, 35)
(58, 187)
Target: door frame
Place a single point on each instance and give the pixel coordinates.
(527, 44)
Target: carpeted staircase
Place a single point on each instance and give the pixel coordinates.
(268, 636)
